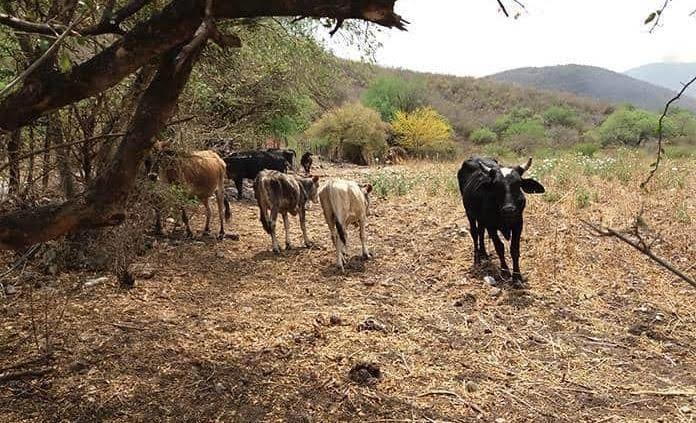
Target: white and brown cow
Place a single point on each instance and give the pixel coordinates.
(345, 202)
(280, 193)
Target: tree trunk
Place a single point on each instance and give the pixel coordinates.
(53, 136)
(13, 158)
(30, 166)
(103, 202)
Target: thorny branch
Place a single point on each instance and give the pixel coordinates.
(640, 246)
(655, 16)
(660, 132)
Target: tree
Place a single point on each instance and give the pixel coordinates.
(173, 38)
(423, 131)
(353, 132)
(390, 94)
(628, 126)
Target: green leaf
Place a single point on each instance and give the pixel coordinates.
(651, 17)
(64, 63)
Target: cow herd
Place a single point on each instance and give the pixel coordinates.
(492, 194)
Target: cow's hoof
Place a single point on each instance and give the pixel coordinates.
(309, 244)
(189, 235)
(288, 246)
(505, 274)
(233, 236)
(518, 280)
(367, 256)
(276, 250)
(206, 233)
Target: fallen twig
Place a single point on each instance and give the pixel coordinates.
(4, 377)
(642, 248)
(455, 395)
(671, 393)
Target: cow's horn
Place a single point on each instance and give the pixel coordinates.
(527, 165)
(484, 167)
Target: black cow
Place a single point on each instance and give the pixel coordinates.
(494, 201)
(306, 162)
(248, 164)
(288, 153)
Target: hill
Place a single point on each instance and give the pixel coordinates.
(669, 75)
(469, 103)
(594, 82)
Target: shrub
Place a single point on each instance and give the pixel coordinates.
(483, 136)
(423, 132)
(561, 116)
(586, 149)
(353, 132)
(531, 128)
(390, 94)
(628, 126)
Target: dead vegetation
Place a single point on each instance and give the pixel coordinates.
(227, 331)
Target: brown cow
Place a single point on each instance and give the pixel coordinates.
(201, 173)
(278, 192)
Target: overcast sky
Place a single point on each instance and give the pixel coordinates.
(472, 37)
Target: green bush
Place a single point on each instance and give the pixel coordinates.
(391, 94)
(532, 129)
(483, 136)
(560, 116)
(353, 132)
(586, 149)
(628, 126)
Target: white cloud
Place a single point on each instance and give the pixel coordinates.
(473, 38)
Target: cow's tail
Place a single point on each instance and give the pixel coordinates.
(341, 231)
(228, 214)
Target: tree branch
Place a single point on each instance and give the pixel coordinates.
(174, 25)
(660, 133)
(102, 204)
(38, 62)
(600, 231)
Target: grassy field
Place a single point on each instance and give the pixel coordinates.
(228, 331)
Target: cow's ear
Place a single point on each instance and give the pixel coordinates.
(315, 179)
(530, 186)
(367, 188)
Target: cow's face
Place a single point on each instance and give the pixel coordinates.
(153, 162)
(508, 187)
(313, 190)
(366, 190)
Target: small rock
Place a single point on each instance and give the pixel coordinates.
(219, 388)
(372, 324)
(365, 373)
(335, 320)
(91, 282)
(220, 254)
(468, 299)
(495, 291)
(685, 409)
(169, 220)
(146, 274)
(471, 386)
(490, 280)
(659, 317)
(10, 289)
(463, 232)
(500, 420)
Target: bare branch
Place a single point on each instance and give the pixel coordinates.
(604, 231)
(48, 53)
(660, 133)
(502, 7)
(655, 16)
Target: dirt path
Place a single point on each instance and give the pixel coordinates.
(227, 331)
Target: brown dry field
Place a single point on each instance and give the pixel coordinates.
(228, 331)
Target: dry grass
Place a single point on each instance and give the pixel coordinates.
(230, 332)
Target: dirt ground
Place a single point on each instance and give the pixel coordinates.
(227, 331)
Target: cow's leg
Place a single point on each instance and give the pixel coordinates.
(239, 183)
(220, 198)
(515, 253)
(483, 255)
(500, 249)
(274, 239)
(185, 218)
(303, 225)
(158, 221)
(286, 224)
(363, 239)
(208, 214)
(473, 231)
